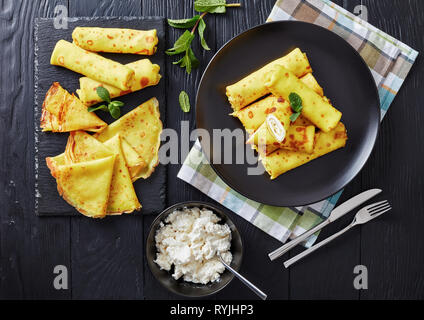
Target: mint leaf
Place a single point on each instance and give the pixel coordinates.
(115, 111)
(102, 107)
(211, 6)
(103, 93)
(117, 103)
(184, 101)
(183, 23)
(294, 116)
(295, 102)
(201, 30)
(194, 61)
(182, 44)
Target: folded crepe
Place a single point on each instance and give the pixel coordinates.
(63, 112)
(83, 147)
(92, 65)
(122, 198)
(141, 128)
(145, 74)
(116, 40)
(134, 161)
(85, 185)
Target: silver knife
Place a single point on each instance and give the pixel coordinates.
(338, 212)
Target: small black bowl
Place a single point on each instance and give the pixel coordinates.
(180, 286)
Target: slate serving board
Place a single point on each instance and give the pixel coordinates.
(152, 191)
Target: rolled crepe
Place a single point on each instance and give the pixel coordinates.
(253, 116)
(281, 82)
(63, 112)
(92, 65)
(252, 87)
(141, 128)
(145, 74)
(282, 160)
(312, 83)
(116, 40)
(85, 185)
(297, 138)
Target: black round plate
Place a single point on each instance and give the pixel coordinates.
(347, 82)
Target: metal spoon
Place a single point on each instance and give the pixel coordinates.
(249, 284)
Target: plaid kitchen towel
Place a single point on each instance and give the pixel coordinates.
(389, 60)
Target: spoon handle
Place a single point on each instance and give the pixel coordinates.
(249, 284)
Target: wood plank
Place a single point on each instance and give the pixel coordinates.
(30, 247)
(392, 246)
(107, 255)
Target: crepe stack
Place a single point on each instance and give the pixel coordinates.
(95, 173)
(264, 95)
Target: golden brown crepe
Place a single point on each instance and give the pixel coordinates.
(252, 87)
(92, 65)
(310, 81)
(141, 128)
(85, 185)
(253, 116)
(122, 198)
(145, 74)
(134, 161)
(298, 138)
(63, 112)
(281, 82)
(281, 161)
(83, 147)
(116, 40)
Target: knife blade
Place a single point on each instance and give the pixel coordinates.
(338, 212)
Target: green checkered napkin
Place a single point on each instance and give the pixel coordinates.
(389, 61)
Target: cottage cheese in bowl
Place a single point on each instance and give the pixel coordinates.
(189, 240)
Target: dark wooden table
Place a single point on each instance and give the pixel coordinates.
(105, 258)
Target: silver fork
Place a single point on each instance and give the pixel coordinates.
(363, 216)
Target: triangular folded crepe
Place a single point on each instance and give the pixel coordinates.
(82, 146)
(141, 128)
(63, 112)
(85, 185)
(122, 198)
(134, 161)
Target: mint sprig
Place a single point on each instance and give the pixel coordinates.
(113, 107)
(183, 44)
(296, 105)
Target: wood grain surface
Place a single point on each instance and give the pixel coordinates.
(106, 258)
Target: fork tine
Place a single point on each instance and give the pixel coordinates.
(377, 205)
(380, 210)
